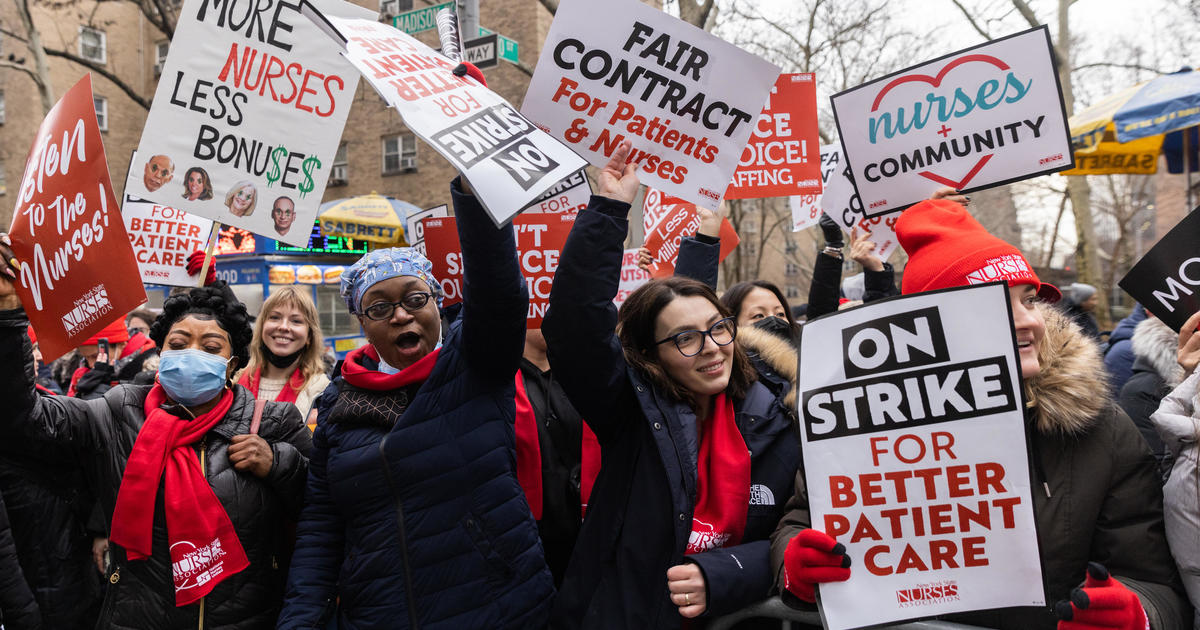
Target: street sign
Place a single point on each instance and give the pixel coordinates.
(418, 20)
(482, 51)
(507, 47)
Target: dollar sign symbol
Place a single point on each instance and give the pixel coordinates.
(308, 166)
(278, 154)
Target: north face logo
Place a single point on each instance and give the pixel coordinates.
(761, 495)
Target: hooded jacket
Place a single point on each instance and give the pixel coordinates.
(1118, 358)
(640, 511)
(1178, 422)
(1155, 373)
(1096, 495)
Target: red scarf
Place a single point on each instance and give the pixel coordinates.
(722, 482)
(72, 388)
(291, 390)
(203, 545)
(136, 344)
(365, 378)
(529, 456)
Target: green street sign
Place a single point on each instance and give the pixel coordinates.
(508, 47)
(418, 20)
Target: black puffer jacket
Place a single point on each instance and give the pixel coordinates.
(99, 434)
(18, 611)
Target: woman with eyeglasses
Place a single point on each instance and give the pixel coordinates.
(698, 457)
(414, 517)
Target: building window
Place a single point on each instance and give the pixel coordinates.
(101, 104)
(792, 292)
(160, 56)
(335, 320)
(341, 168)
(791, 269)
(389, 9)
(1, 107)
(751, 248)
(399, 153)
(92, 44)
(791, 247)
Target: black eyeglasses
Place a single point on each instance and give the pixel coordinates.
(412, 303)
(691, 342)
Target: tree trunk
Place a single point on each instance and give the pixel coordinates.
(40, 63)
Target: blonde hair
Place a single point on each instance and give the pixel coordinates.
(238, 188)
(311, 361)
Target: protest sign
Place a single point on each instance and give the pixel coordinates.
(666, 220)
(915, 457)
(1166, 279)
(981, 117)
(781, 158)
(415, 228)
(162, 238)
(540, 239)
(841, 202)
(617, 70)
(246, 121)
(508, 161)
(570, 195)
(77, 271)
(806, 209)
(632, 276)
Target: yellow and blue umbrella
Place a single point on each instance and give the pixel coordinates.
(370, 217)
(1126, 132)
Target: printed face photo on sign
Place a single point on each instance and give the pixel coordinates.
(283, 212)
(196, 185)
(159, 170)
(242, 198)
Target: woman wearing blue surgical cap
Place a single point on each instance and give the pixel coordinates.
(414, 517)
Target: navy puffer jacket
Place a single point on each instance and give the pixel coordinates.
(414, 517)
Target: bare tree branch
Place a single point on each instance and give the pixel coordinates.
(1124, 66)
(4, 63)
(104, 72)
(971, 20)
(1027, 13)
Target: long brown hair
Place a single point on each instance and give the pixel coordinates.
(635, 329)
(311, 362)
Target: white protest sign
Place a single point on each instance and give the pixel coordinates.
(570, 195)
(244, 116)
(508, 161)
(414, 231)
(619, 69)
(632, 276)
(162, 238)
(806, 209)
(915, 457)
(981, 117)
(840, 201)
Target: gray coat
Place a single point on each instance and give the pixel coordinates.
(1178, 423)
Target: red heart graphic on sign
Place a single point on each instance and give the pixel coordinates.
(937, 81)
(962, 183)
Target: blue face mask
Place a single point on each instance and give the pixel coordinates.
(191, 377)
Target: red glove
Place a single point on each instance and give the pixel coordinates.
(812, 557)
(1102, 603)
(196, 262)
(467, 68)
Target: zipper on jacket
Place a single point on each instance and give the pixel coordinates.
(408, 589)
(203, 473)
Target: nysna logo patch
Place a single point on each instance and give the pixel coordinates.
(928, 594)
(761, 495)
(704, 537)
(1006, 267)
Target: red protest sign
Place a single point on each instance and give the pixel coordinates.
(783, 156)
(540, 239)
(78, 272)
(666, 221)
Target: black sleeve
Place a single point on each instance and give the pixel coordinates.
(824, 291)
(19, 607)
(879, 284)
(699, 257)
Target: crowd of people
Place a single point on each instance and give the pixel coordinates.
(617, 468)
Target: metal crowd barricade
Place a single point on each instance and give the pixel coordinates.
(793, 619)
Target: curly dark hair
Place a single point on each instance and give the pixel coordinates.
(215, 301)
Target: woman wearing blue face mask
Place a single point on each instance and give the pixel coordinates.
(195, 494)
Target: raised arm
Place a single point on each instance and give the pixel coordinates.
(495, 298)
(700, 255)
(580, 325)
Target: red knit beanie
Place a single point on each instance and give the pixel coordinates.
(116, 332)
(947, 247)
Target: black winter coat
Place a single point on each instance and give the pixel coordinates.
(414, 517)
(100, 435)
(18, 610)
(640, 511)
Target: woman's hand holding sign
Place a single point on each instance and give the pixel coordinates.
(8, 293)
(619, 180)
(1188, 354)
(813, 557)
